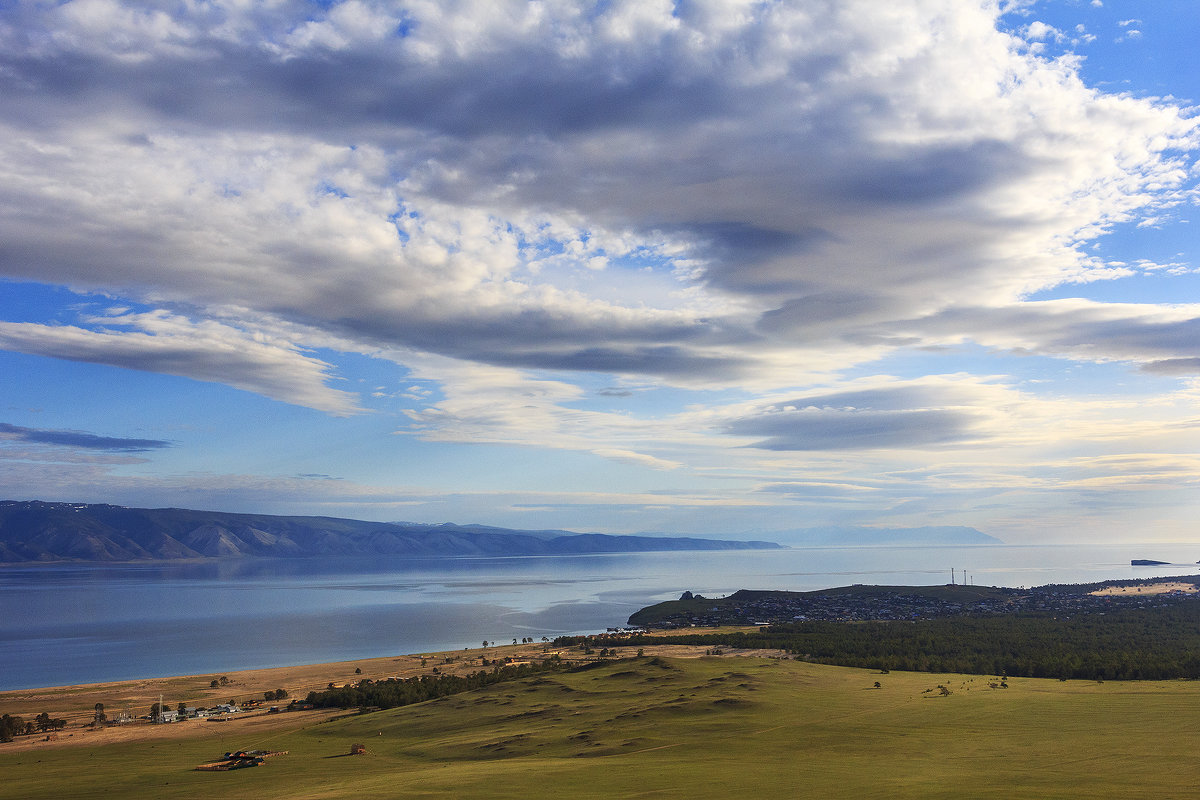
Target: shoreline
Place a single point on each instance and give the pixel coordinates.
(249, 680)
(133, 697)
(76, 702)
(258, 679)
(447, 607)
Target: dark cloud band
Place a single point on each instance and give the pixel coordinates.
(79, 439)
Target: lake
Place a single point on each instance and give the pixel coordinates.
(68, 624)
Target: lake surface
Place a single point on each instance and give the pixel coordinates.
(68, 624)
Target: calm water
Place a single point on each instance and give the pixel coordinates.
(80, 624)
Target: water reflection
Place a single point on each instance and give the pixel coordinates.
(80, 623)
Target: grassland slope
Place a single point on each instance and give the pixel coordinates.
(690, 728)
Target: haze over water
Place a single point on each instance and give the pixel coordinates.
(70, 624)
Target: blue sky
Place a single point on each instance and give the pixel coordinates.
(728, 268)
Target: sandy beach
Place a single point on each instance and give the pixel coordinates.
(76, 704)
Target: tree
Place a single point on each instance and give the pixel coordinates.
(181, 709)
(213, 684)
(155, 712)
(10, 726)
(99, 718)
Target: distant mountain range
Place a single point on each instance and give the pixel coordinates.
(841, 536)
(35, 531)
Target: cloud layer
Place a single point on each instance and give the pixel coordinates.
(431, 177)
(508, 197)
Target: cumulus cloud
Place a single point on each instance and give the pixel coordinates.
(1039, 31)
(436, 177)
(524, 203)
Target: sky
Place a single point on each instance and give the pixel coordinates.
(713, 267)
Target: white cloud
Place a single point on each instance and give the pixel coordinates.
(1076, 329)
(754, 166)
(509, 197)
(206, 351)
(1040, 31)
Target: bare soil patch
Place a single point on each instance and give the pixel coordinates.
(1151, 588)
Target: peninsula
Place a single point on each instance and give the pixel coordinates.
(735, 712)
(861, 603)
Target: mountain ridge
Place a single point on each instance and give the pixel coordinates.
(866, 536)
(35, 531)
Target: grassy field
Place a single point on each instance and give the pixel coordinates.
(687, 728)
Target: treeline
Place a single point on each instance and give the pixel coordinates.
(395, 692)
(1155, 643)
(11, 726)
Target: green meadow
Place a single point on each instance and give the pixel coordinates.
(689, 728)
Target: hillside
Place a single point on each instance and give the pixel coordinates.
(678, 728)
(859, 602)
(34, 531)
